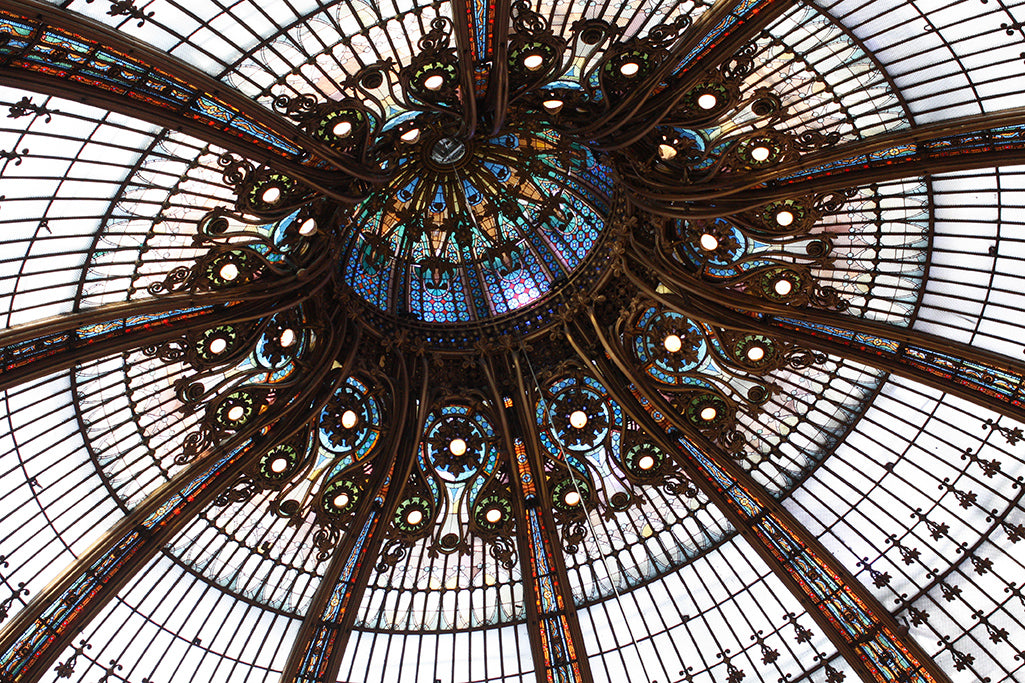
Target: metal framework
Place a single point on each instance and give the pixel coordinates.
(623, 268)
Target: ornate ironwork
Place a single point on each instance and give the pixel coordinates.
(509, 178)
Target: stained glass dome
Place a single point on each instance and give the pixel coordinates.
(469, 230)
(462, 341)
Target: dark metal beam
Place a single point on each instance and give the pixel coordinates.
(987, 379)
(40, 348)
(317, 652)
(497, 98)
(713, 39)
(461, 10)
(862, 630)
(37, 635)
(72, 342)
(556, 642)
(63, 53)
(979, 141)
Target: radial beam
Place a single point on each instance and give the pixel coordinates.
(63, 53)
(497, 98)
(316, 654)
(65, 341)
(37, 635)
(970, 142)
(862, 630)
(472, 29)
(713, 39)
(556, 642)
(987, 379)
(42, 347)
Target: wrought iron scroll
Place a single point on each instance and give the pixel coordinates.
(985, 378)
(38, 50)
(47, 353)
(555, 637)
(25, 650)
(858, 625)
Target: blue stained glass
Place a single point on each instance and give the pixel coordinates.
(501, 172)
(368, 281)
(507, 140)
(438, 205)
(406, 193)
(473, 196)
(531, 223)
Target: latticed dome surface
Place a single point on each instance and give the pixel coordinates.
(657, 342)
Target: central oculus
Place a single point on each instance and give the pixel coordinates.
(448, 151)
(470, 229)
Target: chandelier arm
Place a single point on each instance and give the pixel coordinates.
(866, 634)
(464, 50)
(987, 379)
(497, 97)
(710, 42)
(556, 641)
(970, 142)
(70, 345)
(99, 65)
(39, 349)
(37, 635)
(317, 651)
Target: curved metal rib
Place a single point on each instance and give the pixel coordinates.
(316, 654)
(982, 377)
(868, 637)
(65, 54)
(37, 635)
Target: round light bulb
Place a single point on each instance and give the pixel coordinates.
(533, 62)
(629, 68)
(553, 106)
(666, 152)
(342, 129)
(414, 517)
(784, 218)
(278, 465)
(708, 413)
(755, 353)
(457, 447)
(578, 419)
(760, 153)
(287, 338)
(341, 500)
(271, 195)
(673, 343)
(708, 242)
(308, 227)
(782, 286)
(349, 419)
(218, 345)
(708, 101)
(494, 516)
(411, 135)
(434, 82)
(235, 413)
(572, 498)
(646, 462)
(229, 271)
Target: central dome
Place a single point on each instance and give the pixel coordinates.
(471, 229)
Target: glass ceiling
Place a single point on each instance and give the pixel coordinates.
(624, 255)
